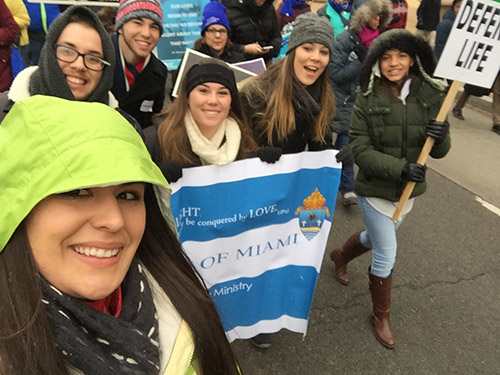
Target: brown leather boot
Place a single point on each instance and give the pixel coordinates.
(381, 316)
(341, 256)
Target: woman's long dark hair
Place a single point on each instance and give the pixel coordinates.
(27, 345)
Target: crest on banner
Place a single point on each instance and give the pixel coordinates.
(312, 214)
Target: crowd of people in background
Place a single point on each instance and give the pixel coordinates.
(352, 79)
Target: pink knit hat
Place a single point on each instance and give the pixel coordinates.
(130, 9)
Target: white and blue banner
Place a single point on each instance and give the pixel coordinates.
(257, 233)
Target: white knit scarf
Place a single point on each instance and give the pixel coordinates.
(211, 151)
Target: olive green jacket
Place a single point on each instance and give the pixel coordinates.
(387, 133)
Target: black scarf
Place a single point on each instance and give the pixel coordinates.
(49, 79)
(306, 100)
(100, 344)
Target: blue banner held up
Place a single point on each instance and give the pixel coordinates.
(257, 233)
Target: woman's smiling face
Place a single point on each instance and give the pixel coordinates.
(210, 103)
(311, 60)
(395, 65)
(83, 241)
(86, 40)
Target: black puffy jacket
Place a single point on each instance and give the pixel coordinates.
(253, 24)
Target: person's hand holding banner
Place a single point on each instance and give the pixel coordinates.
(345, 156)
(269, 154)
(171, 171)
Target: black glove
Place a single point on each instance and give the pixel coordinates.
(361, 51)
(414, 172)
(395, 19)
(345, 156)
(437, 130)
(269, 154)
(171, 171)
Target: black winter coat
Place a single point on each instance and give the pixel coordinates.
(428, 15)
(253, 24)
(230, 54)
(443, 31)
(346, 58)
(306, 105)
(343, 68)
(146, 95)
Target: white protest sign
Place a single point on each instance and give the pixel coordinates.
(472, 51)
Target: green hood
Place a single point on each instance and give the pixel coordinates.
(50, 145)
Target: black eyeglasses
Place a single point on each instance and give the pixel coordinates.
(69, 55)
(221, 31)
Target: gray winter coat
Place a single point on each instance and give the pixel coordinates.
(345, 64)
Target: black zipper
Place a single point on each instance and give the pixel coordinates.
(400, 187)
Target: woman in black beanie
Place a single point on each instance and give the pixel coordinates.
(205, 124)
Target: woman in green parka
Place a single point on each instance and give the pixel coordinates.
(392, 118)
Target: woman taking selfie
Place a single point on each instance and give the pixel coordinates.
(92, 278)
(393, 116)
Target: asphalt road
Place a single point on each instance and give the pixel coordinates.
(446, 282)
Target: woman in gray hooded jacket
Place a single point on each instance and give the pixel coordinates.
(349, 51)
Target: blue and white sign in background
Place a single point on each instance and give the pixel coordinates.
(182, 26)
(257, 233)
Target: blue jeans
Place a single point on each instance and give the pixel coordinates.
(380, 236)
(347, 176)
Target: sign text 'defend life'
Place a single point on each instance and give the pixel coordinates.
(472, 51)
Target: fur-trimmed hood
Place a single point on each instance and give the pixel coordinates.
(403, 40)
(368, 10)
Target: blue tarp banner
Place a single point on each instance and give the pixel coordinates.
(257, 233)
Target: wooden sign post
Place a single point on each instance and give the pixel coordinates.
(429, 142)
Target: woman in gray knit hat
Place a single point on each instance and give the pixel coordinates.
(351, 46)
(291, 105)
